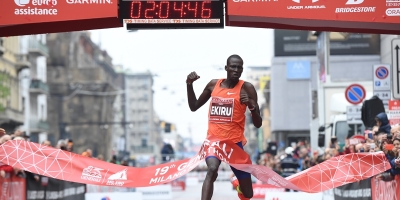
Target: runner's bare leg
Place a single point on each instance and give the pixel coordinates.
(212, 173)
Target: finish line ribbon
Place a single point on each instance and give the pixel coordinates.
(59, 164)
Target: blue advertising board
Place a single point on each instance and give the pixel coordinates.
(298, 70)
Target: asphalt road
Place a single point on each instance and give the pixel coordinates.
(222, 191)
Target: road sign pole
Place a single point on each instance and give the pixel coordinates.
(395, 68)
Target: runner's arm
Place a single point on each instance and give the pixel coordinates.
(195, 103)
(255, 114)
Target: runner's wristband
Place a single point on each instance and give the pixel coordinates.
(253, 108)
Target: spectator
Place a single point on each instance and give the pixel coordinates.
(100, 157)
(46, 143)
(61, 145)
(2, 132)
(289, 165)
(90, 152)
(5, 138)
(383, 123)
(70, 145)
(114, 159)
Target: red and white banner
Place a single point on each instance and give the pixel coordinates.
(385, 190)
(259, 190)
(68, 166)
(324, 15)
(12, 188)
(394, 112)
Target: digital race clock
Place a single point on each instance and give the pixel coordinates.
(171, 14)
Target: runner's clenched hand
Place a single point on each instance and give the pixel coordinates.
(192, 77)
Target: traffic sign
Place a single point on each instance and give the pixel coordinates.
(396, 68)
(381, 77)
(354, 115)
(355, 94)
(381, 72)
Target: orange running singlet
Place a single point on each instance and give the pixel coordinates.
(226, 115)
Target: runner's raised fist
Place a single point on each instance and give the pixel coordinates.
(192, 77)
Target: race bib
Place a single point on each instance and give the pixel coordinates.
(221, 110)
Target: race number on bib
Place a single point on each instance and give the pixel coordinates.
(221, 110)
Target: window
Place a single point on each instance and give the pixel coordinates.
(23, 104)
(344, 130)
(42, 111)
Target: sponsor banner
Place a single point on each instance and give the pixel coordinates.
(13, 12)
(328, 195)
(50, 188)
(59, 164)
(358, 190)
(259, 190)
(159, 192)
(12, 188)
(385, 190)
(338, 15)
(292, 195)
(114, 195)
(394, 112)
(100, 189)
(178, 184)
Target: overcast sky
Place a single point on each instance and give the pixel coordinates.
(173, 54)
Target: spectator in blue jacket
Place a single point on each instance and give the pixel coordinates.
(382, 122)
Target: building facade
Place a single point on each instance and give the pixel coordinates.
(12, 61)
(144, 136)
(82, 92)
(297, 97)
(34, 88)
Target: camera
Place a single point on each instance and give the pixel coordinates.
(389, 137)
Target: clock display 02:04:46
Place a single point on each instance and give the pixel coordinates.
(171, 10)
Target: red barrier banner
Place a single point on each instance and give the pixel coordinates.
(68, 166)
(385, 190)
(259, 190)
(12, 188)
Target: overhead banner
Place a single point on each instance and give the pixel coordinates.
(59, 164)
(380, 16)
(35, 16)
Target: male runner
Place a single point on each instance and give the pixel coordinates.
(224, 122)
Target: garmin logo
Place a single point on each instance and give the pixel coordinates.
(89, 1)
(237, 1)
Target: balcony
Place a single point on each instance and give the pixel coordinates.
(36, 48)
(142, 149)
(38, 87)
(22, 62)
(38, 126)
(10, 115)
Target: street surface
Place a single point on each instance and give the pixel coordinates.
(222, 191)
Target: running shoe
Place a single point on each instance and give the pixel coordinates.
(235, 184)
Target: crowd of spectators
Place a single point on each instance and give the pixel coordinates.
(298, 157)
(382, 137)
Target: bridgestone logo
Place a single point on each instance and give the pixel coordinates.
(355, 9)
